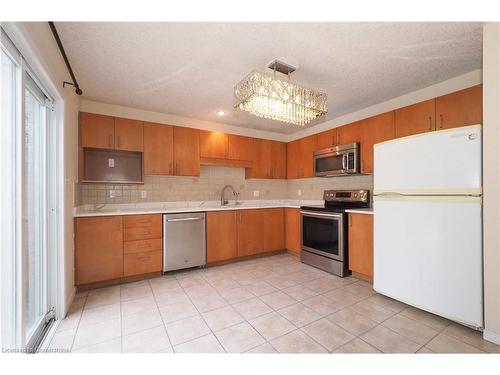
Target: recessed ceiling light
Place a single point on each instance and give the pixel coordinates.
(220, 113)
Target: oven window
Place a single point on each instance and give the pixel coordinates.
(321, 234)
(330, 163)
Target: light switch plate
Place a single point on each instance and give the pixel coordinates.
(144, 194)
(256, 193)
(112, 193)
(299, 193)
(111, 163)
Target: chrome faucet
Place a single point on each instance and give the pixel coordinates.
(223, 201)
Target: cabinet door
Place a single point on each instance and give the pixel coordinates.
(250, 239)
(261, 167)
(293, 159)
(128, 134)
(274, 229)
(213, 144)
(278, 159)
(415, 119)
(241, 148)
(361, 244)
(350, 133)
(186, 152)
(97, 131)
(292, 229)
(99, 249)
(461, 108)
(222, 236)
(307, 148)
(158, 149)
(377, 129)
(326, 139)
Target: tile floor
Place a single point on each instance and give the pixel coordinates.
(268, 305)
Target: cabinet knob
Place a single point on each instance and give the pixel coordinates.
(430, 123)
(440, 121)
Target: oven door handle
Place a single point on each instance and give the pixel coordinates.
(320, 215)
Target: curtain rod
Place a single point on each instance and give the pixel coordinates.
(78, 90)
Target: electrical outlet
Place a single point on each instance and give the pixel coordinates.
(111, 163)
(256, 193)
(112, 193)
(144, 194)
(299, 193)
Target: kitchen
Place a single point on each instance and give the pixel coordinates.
(229, 221)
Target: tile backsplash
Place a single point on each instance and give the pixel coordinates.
(209, 184)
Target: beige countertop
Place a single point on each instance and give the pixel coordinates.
(181, 207)
(366, 211)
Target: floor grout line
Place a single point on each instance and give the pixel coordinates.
(161, 317)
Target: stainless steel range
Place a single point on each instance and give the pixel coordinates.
(324, 233)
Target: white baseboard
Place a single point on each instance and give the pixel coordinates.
(491, 337)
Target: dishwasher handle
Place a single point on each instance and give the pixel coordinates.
(184, 219)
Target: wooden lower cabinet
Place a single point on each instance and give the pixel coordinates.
(240, 233)
(99, 249)
(274, 229)
(222, 236)
(250, 239)
(361, 244)
(292, 229)
(142, 262)
(113, 247)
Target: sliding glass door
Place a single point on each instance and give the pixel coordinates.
(26, 294)
(34, 209)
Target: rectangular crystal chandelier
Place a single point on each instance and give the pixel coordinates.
(266, 96)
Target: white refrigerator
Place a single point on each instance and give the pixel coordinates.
(428, 222)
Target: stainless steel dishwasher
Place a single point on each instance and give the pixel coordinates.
(184, 244)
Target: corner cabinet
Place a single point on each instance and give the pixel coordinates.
(361, 245)
(99, 249)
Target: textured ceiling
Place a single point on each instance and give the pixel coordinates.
(190, 69)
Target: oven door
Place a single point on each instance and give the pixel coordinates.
(323, 234)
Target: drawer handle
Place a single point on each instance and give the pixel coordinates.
(144, 245)
(144, 221)
(144, 257)
(146, 232)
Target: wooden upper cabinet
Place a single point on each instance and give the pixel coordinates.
(326, 139)
(351, 133)
(186, 152)
(222, 236)
(213, 144)
(415, 119)
(128, 134)
(377, 129)
(274, 229)
(99, 249)
(250, 238)
(158, 149)
(261, 167)
(278, 159)
(461, 108)
(97, 131)
(293, 159)
(361, 244)
(307, 148)
(240, 147)
(292, 230)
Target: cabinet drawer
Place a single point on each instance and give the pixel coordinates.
(144, 233)
(130, 247)
(143, 262)
(139, 221)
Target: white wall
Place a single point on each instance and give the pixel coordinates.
(36, 43)
(491, 180)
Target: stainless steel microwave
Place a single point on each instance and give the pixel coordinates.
(337, 160)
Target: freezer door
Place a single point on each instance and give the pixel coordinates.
(428, 253)
(441, 162)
